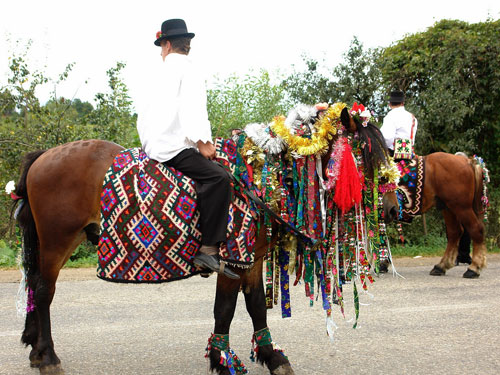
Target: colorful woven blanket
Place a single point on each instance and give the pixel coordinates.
(149, 222)
(410, 188)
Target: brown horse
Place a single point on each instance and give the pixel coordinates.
(61, 188)
(454, 184)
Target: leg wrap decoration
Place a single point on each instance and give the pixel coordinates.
(228, 357)
(262, 338)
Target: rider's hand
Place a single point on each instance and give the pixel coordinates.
(206, 149)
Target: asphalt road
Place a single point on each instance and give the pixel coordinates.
(417, 325)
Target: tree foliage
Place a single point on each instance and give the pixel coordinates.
(236, 101)
(312, 85)
(356, 79)
(28, 125)
(451, 76)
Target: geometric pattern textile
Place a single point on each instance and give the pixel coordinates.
(411, 185)
(149, 223)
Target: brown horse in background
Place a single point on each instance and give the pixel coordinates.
(454, 184)
(61, 189)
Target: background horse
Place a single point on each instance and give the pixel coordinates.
(61, 189)
(454, 184)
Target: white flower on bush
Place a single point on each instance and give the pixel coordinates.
(10, 187)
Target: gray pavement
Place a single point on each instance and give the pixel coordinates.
(417, 325)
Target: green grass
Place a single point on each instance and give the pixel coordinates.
(84, 256)
(425, 251)
(7, 255)
(88, 261)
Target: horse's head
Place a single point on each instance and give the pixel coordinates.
(389, 200)
(379, 168)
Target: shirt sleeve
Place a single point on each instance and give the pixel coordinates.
(193, 114)
(388, 130)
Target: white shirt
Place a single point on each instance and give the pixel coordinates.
(174, 115)
(397, 124)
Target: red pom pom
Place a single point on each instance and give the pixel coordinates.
(348, 188)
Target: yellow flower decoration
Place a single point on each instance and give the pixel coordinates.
(327, 126)
(390, 172)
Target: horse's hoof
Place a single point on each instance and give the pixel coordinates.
(52, 370)
(285, 369)
(470, 274)
(383, 267)
(437, 271)
(35, 359)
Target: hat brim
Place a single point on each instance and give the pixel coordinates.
(175, 36)
(396, 100)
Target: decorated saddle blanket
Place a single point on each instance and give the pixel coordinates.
(411, 188)
(149, 222)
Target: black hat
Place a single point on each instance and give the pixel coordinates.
(171, 29)
(397, 97)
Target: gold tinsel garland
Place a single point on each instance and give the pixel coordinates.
(390, 172)
(326, 126)
(255, 157)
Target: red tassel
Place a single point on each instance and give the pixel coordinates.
(348, 188)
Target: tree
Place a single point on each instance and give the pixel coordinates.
(235, 102)
(27, 125)
(82, 108)
(356, 79)
(451, 76)
(113, 119)
(310, 86)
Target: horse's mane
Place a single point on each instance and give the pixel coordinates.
(375, 151)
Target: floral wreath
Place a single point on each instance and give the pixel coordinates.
(389, 172)
(361, 113)
(329, 124)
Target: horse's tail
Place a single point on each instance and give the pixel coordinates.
(481, 178)
(25, 218)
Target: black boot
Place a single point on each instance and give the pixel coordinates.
(212, 262)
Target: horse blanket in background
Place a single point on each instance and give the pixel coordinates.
(410, 188)
(149, 223)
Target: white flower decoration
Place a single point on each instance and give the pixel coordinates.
(10, 187)
(366, 113)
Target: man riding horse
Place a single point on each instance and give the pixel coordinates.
(399, 124)
(174, 129)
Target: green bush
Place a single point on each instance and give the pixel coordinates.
(8, 255)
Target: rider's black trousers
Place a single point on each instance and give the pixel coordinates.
(213, 188)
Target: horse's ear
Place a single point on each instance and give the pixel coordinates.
(348, 121)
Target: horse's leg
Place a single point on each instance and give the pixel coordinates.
(453, 233)
(474, 225)
(255, 300)
(54, 252)
(226, 297)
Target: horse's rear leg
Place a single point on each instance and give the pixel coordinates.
(255, 300)
(453, 233)
(475, 227)
(52, 257)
